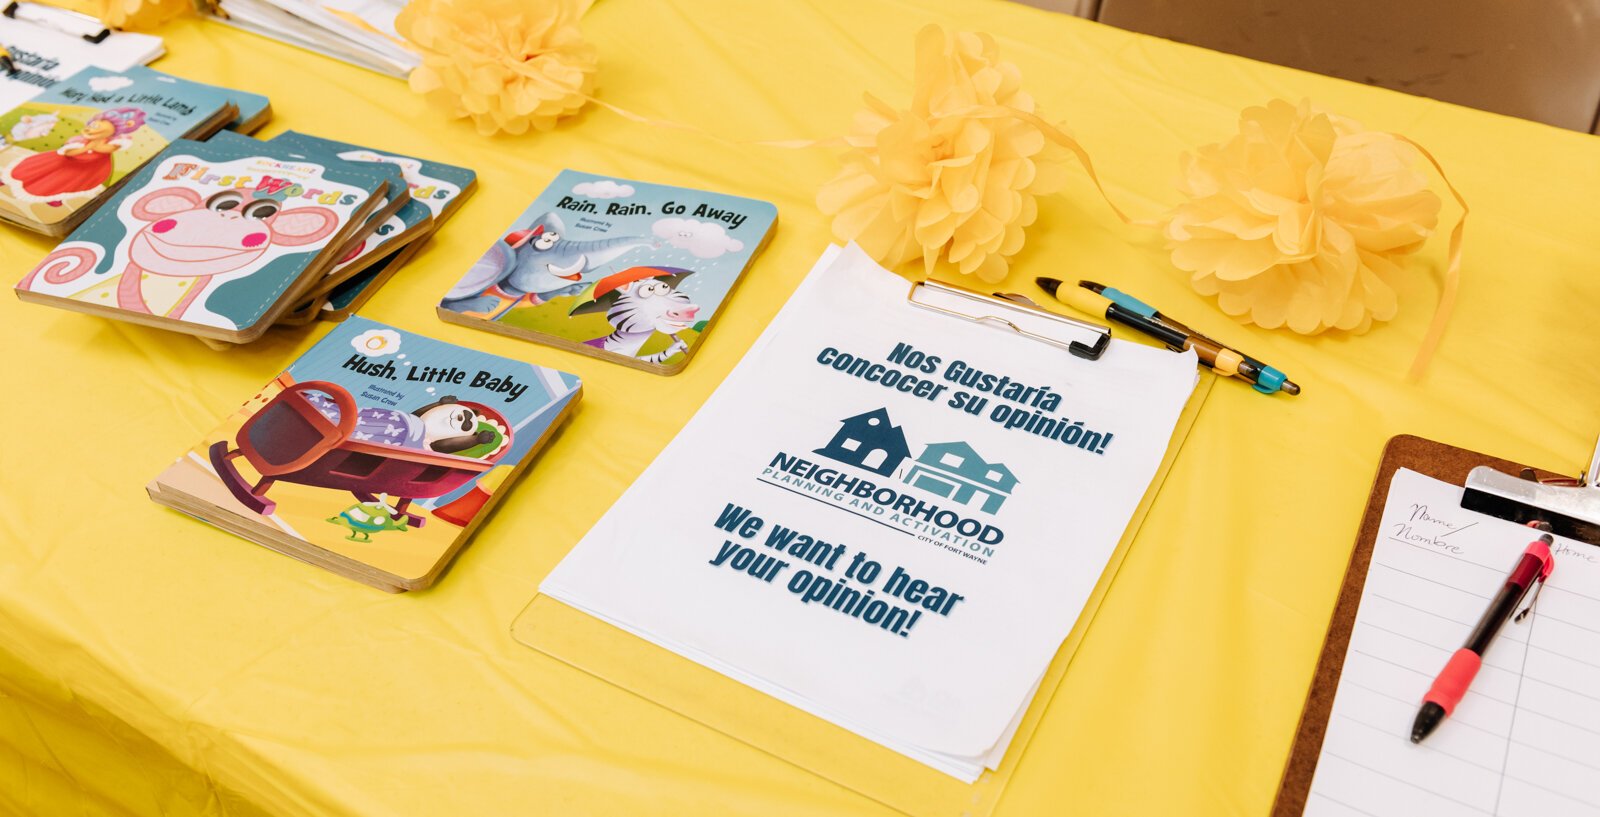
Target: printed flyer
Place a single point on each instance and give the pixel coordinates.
(886, 516)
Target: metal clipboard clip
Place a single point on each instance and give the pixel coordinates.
(1570, 506)
(1085, 340)
(62, 20)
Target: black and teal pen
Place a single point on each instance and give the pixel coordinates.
(1139, 316)
(1266, 379)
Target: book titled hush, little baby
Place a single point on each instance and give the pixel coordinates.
(375, 455)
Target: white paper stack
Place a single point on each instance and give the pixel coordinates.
(885, 516)
(360, 32)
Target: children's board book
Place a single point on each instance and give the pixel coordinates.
(628, 271)
(213, 239)
(408, 224)
(255, 111)
(396, 216)
(375, 455)
(65, 150)
(442, 188)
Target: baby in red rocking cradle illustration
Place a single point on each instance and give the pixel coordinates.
(81, 166)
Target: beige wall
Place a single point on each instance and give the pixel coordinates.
(1536, 59)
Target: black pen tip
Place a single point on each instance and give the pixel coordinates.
(1092, 286)
(1049, 285)
(1428, 719)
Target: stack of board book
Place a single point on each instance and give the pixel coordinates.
(216, 239)
(396, 213)
(65, 153)
(375, 455)
(431, 193)
(437, 191)
(627, 271)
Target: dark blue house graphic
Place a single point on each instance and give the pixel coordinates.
(955, 471)
(869, 441)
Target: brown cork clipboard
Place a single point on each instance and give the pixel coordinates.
(1434, 459)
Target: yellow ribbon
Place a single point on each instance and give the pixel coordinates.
(1452, 273)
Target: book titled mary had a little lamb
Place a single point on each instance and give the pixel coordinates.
(623, 270)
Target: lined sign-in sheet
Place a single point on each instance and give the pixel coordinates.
(1526, 738)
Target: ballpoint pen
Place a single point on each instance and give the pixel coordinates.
(1220, 358)
(1532, 568)
(1265, 381)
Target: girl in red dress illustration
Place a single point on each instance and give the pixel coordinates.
(80, 166)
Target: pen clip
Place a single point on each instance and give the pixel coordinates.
(1529, 609)
(1540, 549)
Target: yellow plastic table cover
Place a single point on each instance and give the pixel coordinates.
(152, 665)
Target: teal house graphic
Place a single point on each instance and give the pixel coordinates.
(869, 441)
(955, 471)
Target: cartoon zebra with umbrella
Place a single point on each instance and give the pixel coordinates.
(638, 302)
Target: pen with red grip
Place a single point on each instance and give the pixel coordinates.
(1533, 567)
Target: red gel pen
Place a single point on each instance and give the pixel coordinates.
(1534, 567)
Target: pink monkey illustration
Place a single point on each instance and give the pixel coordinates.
(184, 237)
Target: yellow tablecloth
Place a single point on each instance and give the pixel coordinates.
(152, 665)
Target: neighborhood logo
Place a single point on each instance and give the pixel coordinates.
(951, 470)
(868, 441)
(955, 471)
(948, 496)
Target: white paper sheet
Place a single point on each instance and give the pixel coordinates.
(1526, 738)
(948, 687)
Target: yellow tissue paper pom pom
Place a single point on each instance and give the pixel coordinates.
(509, 65)
(1302, 219)
(954, 176)
(140, 14)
